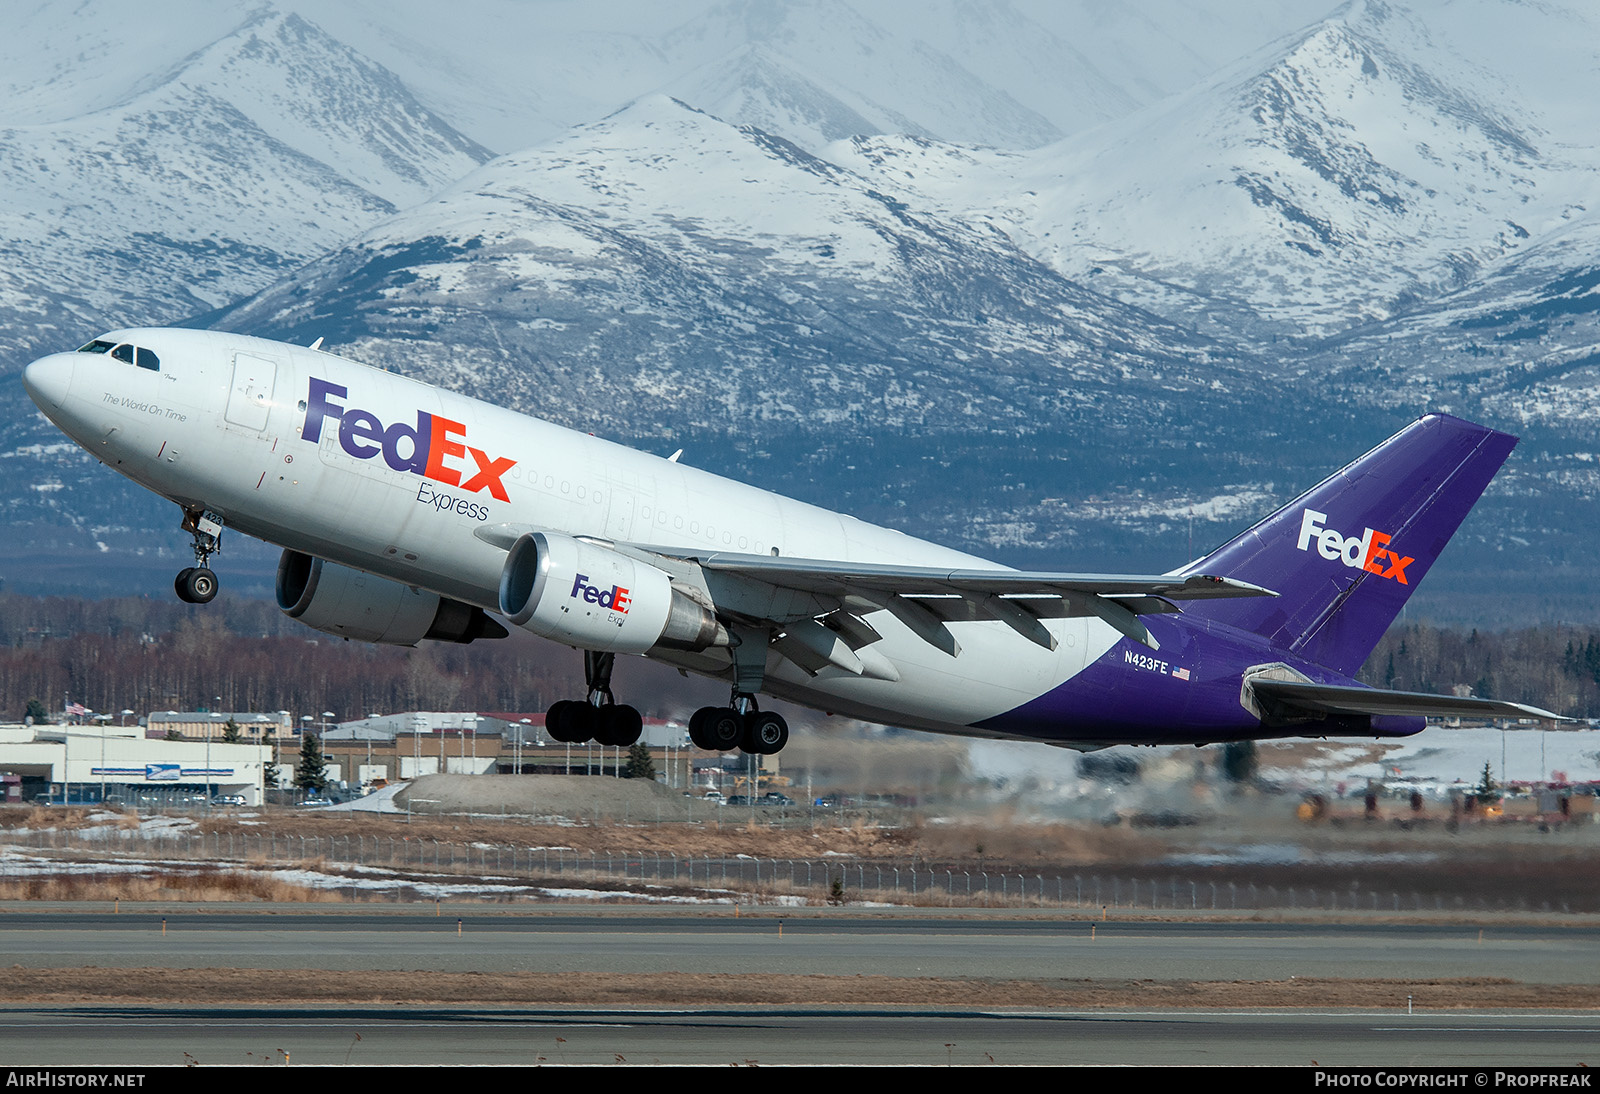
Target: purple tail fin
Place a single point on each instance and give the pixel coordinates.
(1346, 554)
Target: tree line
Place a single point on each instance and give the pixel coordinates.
(237, 655)
(146, 654)
(1555, 666)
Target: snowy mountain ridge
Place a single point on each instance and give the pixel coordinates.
(248, 159)
(1137, 296)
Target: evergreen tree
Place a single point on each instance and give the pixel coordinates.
(230, 732)
(37, 712)
(1487, 791)
(312, 772)
(640, 765)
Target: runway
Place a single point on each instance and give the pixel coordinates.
(474, 1036)
(885, 942)
(345, 942)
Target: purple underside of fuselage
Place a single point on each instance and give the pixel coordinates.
(1187, 692)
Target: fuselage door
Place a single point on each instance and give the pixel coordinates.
(250, 398)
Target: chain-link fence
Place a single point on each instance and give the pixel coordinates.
(516, 869)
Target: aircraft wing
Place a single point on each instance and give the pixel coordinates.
(817, 607)
(1313, 698)
(926, 598)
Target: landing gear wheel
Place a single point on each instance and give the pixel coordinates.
(618, 726)
(719, 728)
(765, 733)
(570, 722)
(697, 727)
(197, 585)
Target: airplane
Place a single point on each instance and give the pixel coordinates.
(409, 513)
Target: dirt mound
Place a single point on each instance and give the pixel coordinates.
(576, 797)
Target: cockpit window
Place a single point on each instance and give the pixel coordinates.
(134, 355)
(99, 345)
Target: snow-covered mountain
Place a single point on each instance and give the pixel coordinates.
(1352, 172)
(1112, 277)
(253, 155)
(677, 270)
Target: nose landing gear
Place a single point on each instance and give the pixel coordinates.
(197, 584)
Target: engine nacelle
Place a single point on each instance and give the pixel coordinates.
(591, 597)
(351, 604)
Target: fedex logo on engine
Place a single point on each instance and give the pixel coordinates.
(434, 449)
(1368, 551)
(614, 599)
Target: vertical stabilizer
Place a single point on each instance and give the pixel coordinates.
(1346, 554)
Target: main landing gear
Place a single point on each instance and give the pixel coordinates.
(741, 726)
(600, 717)
(197, 584)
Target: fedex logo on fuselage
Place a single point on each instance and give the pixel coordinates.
(435, 449)
(1368, 551)
(614, 599)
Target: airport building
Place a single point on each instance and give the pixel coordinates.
(176, 759)
(393, 747)
(200, 725)
(120, 765)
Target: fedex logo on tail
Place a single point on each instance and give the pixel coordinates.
(1369, 551)
(435, 449)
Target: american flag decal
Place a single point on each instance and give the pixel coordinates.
(1180, 674)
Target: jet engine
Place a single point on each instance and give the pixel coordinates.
(351, 604)
(589, 596)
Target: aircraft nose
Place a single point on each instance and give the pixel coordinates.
(48, 380)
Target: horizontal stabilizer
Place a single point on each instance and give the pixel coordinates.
(1287, 696)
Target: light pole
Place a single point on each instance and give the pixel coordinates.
(305, 728)
(104, 719)
(211, 731)
(286, 723)
(327, 723)
(259, 720)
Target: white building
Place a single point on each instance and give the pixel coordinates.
(93, 763)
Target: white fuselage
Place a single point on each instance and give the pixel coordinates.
(223, 424)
